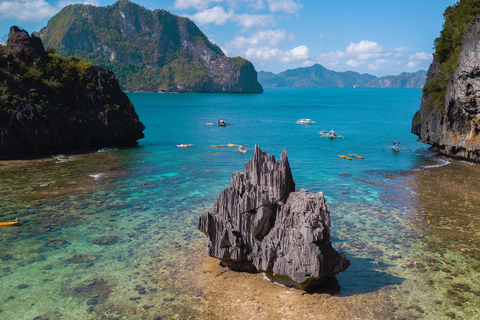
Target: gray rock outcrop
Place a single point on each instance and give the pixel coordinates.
(260, 223)
(52, 104)
(455, 129)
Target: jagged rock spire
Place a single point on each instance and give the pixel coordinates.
(259, 223)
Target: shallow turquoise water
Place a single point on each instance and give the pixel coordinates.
(147, 201)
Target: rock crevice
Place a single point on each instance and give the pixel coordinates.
(260, 223)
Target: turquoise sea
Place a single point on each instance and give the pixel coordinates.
(112, 234)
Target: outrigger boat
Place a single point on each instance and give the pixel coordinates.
(305, 121)
(241, 149)
(13, 223)
(236, 145)
(331, 134)
(395, 147)
(185, 145)
(220, 123)
(354, 155)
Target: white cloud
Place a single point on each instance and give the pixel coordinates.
(297, 54)
(254, 20)
(25, 10)
(287, 6)
(418, 58)
(33, 10)
(267, 38)
(362, 54)
(218, 16)
(263, 54)
(381, 64)
(355, 63)
(193, 4)
(365, 50)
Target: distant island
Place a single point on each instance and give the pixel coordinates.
(149, 51)
(318, 76)
(53, 104)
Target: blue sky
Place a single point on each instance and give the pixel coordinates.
(378, 37)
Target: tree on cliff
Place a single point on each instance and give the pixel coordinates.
(447, 49)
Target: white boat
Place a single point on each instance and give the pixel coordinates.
(305, 121)
(395, 147)
(331, 134)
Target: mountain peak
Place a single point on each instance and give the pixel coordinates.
(148, 50)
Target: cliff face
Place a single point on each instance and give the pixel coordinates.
(454, 128)
(51, 104)
(148, 50)
(260, 223)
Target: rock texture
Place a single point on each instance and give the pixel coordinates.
(51, 104)
(455, 129)
(260, 223)
(152, 51)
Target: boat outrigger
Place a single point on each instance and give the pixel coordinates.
(331, 134)
(220, 123)
(12, 223)
(305, 121)
(395, 147)
(241, 149)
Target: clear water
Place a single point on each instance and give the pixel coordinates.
(112, 234)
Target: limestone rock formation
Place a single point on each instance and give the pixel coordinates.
(454, 128)
(51, 104)
(153, 51)
(260, 223)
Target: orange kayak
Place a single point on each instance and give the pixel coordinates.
(14, 223)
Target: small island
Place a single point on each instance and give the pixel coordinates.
(52, 104)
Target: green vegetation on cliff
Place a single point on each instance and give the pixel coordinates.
(147, 50)
(50, 103)
(38, 81)
(447, 49)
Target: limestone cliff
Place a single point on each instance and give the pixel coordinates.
(452, 126)
(260, 223)
(51, 104)
(153, 51)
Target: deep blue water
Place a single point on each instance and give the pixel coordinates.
(148, 199)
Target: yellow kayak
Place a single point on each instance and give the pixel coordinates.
(348, 158)
(341, 156)
(358, 156)
(14, 223)
(236, 145)
(351, 155)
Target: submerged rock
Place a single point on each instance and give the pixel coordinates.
(260, 223)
